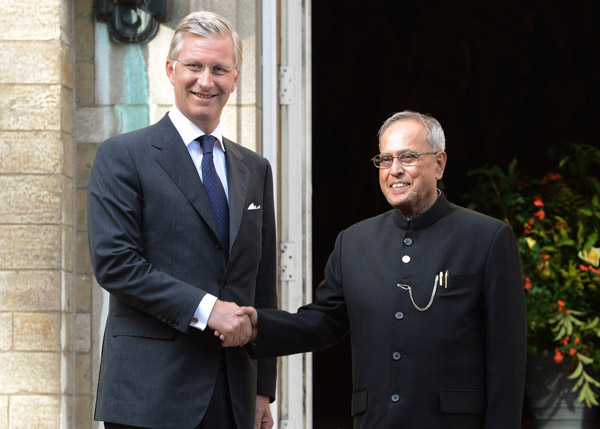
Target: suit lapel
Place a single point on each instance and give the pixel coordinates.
(172, 155)
(237, 180)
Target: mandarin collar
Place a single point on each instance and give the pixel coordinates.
(423, 220)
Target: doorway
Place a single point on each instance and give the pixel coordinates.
(505, 79)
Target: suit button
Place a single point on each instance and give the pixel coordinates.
(224, 284)
(396, 356)
(408, 241)
(218, 245)
(395, 397)
(399, 315)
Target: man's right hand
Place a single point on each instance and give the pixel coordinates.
(233, 329)
(244, 313)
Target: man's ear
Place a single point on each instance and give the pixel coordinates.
(170, 69)
(440, 164)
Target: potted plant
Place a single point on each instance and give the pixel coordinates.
(556, 220)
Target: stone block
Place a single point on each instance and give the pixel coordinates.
(30, 372)
(6, 332)
(239, 125)
(30, 107)
(3, 411)
(66, 65)
(68, 167)
(68, 293)
(31, 199)
(66, 109)
(68, 201)
(83, 262)
(30, 246)
(40, 412)
(95, 124)
(81, 210)
(30, 290)
(86, 152)
(38, 62)
(83, 374)
(19, 23)
(83, 293)
(84, 84)
(37, 331)
(84, 40)
(84, 411)
(26, 152)
(68, 243)
(83, 326)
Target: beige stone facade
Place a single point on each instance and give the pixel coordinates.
(63, 90)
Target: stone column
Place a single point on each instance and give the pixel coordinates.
(36, 215)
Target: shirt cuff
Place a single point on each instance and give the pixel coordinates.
(202, 313)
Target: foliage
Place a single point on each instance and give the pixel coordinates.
(556, 220)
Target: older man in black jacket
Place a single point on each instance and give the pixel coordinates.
(431, 294)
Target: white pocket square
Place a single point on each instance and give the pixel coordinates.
(253, 207)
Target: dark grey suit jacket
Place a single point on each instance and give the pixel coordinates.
(458, 365)
(155, 248)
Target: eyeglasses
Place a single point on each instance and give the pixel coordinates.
(407, 159)
(198, 68)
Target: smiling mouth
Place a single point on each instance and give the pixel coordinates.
(400, 185)
(203, 96)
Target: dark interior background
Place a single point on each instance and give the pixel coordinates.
(506, 79)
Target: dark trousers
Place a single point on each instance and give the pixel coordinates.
(219, 413)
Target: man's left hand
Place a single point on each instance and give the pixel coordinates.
(263, 419)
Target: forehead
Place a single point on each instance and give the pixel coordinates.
(212, 48)
(404, 135)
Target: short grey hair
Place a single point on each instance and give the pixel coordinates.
(206, 24)
(434, 134)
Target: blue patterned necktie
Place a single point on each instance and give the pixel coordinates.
(215, 191)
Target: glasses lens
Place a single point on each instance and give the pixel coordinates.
(409, 159)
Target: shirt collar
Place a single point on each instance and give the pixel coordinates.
(428, 217)
(189, 131)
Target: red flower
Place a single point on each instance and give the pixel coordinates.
(571, 351)
(554, 176)
(544, 256)
(531, 221)
(540, 214)
(537, 201)
(583, 268)
(558, 357)
(561, 303)
(527, 285)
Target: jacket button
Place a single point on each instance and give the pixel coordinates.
(224, 284)
(408, 241)
(218, 245)
(399, 315)
(396, 356)
(395, 397)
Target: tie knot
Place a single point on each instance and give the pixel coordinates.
(207, 142)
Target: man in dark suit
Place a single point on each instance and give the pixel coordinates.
(182, 230)
(431, 294)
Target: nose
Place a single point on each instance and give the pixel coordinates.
(204, 78)
(396, 168)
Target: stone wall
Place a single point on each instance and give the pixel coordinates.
(64, 88)
(36, 214)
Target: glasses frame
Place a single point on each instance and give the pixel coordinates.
(399, 158)
(211, 67)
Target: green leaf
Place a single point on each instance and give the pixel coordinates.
(577, 371)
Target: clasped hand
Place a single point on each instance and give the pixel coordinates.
(234, 325)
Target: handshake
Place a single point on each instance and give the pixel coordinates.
(234, 325)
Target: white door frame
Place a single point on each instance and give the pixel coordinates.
(291, 161)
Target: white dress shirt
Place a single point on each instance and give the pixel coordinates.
(189, 132)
